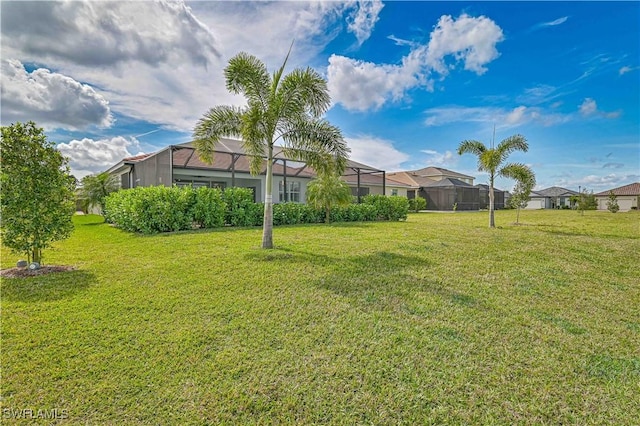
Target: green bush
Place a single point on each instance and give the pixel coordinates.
(239, 210)
(209, 209)
(388, 208)
(417, 204)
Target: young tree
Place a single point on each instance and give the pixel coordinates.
(286, 108)
(95, 189)
(327, 191)
(586, 201)
(522, 192)
(612, 203)
(491, 160)
(37, 198)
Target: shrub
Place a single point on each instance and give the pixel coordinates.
(388, 208)
(209, 209)
(417, 204)
(288, 213)
(239, 210)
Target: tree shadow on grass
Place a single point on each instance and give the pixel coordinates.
(381, 280)
(46, 288)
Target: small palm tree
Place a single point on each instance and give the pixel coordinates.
(491, 160)
(327, 191)
(95, 189)
(526, 180)
(279, 108)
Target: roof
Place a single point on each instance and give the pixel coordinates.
(136, 158)
(556, 191)
(233, 146)
(448, 182)
(485, 187)
(438, 171)
(631, 189)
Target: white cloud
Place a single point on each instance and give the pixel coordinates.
(468, 39)
(554, 22)
(364, 18)
(89, 156)
(440, 159)
(588, 107)
(501, 117)
(360, 85)
(108, 33)
(50, 99)
(376, 152)
(627, 69)
(597, 183)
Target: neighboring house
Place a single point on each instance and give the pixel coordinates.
(627, 197)
(499, 197)
(450, 194)
(180, 165)
(424, 183)
(554, 197)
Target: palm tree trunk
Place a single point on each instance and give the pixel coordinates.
(267, 227)
(492, 222)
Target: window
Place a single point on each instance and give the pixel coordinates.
(363, 191)
(293, 192)
(394, 192)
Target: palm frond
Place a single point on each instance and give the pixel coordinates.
(305, 91)
(511, 144)
(519, 172)
(219, 121)
(248, 75)
(314, 141)
(471, 147)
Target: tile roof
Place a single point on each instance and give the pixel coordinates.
(137, 157)
(438, 171)
(448, 182)
(556, 191)
(631, 189)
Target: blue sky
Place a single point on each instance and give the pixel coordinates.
(409, 80)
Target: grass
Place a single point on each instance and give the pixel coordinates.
(436, 320)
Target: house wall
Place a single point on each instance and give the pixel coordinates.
(625, 202)
(535, 204)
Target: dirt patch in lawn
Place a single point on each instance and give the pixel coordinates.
(26, 272)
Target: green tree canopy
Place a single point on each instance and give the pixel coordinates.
(612, 203)
(327, 191)
(95, 189)
(280, 108)
(525, 181)
(492, 161)
(37, 198)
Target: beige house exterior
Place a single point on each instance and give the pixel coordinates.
(627, 197)
(180, 165)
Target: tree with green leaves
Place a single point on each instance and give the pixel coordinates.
(585, 201)
(612, 203)
(327, 191)
(37, 197)
(521, 193)
(95, 189)
(491, 160)
(280, 108)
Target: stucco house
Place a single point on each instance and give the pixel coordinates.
(554, 197)
(443, 189)
(180, 165)
(627, 197)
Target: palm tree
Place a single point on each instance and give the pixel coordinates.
(279, 108)
(327, 191)
(95, 189)
(491, 160)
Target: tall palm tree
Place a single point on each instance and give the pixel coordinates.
(491, 160)
(327, 191)
(279, 108)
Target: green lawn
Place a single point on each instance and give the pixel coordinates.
(436, 320)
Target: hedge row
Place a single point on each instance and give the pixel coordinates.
(163, 209)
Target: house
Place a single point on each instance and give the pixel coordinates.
(499, 197)
(180, 165)
(554, 197)
(441, 188)
(627, 197)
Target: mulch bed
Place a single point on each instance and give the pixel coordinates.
(26, 272)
